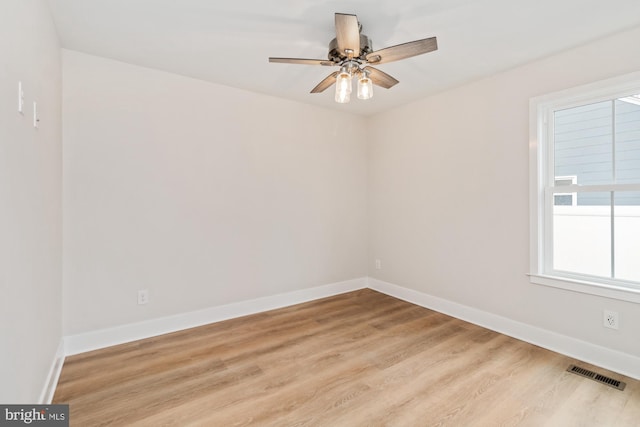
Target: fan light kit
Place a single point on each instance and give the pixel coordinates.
(351, 51)
(343, 82)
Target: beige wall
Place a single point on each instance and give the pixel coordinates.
(200, 193)
(448, 196)
(30, 200)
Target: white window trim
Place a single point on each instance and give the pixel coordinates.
(539, 109)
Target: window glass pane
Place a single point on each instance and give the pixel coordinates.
(582, 236)
(563, 199)
(583, 143)
(594, 199)
(628, 140)
(627, 235)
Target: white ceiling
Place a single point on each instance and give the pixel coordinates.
(228, 42)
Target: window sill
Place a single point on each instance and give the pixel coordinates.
(591, 288)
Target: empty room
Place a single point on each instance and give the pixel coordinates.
(391, 213)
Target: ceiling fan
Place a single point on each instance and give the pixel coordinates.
(352, 51)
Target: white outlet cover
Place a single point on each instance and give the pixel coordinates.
(611, 319)
(143, 296)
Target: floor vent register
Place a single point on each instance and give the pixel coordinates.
(596, 377)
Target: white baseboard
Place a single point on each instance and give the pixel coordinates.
(613, 360)
(94, 340)
(616, 361)
(46, 396)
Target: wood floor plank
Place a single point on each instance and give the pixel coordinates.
(356, 359)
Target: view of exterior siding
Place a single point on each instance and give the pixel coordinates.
(598, 144)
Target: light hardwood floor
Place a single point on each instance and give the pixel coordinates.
(357, 359)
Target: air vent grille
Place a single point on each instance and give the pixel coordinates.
(619, 385)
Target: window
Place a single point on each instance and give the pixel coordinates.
(585, 189)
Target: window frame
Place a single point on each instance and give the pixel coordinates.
(541, 167)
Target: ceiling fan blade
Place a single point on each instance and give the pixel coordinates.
(402, 51)
(303, 61)
(380, 78)
(348, 33)
(327, 82)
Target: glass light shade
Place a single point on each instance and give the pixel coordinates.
(365, 88)
(342, 97)
(343, 87)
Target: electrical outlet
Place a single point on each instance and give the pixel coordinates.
(378, 264)
(143, 296)
(611, 319)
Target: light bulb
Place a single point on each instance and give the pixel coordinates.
(365, 87)
(343, 86)
(343, 97)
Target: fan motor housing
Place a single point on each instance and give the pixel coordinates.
(336, 56)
